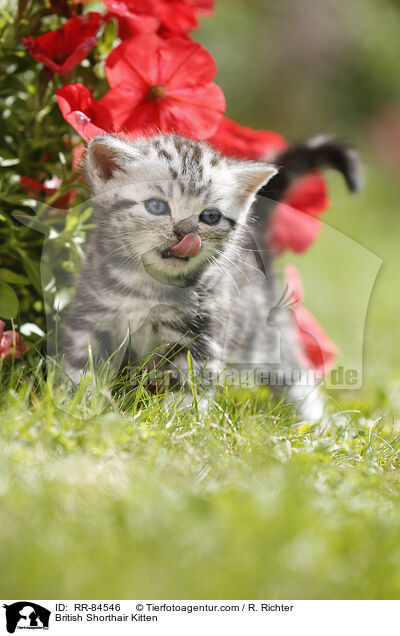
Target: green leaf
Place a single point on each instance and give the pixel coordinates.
(71, 223)
(8, 301)
(32, 268)
(106, 41)
(8, 276)
(86, 215)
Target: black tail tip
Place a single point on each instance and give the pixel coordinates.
(330, 153)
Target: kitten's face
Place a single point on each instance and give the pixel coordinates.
(170, 204)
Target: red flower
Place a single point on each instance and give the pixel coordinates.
(291, 229)
(177, 16)
(316, 349)
(243, 142)
(64, 48)
(88, 116)
(150, 16)
(49, 188)
(134, 16)
(12, 344)
(163, 85)
(293, 224)
(308, 194)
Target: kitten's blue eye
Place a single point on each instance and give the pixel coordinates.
(211, 216)
(157, 206)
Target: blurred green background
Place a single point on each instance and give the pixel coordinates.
(305, 67)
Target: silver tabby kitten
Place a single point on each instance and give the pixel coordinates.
(176, 262)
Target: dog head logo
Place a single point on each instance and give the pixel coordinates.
(26, 615)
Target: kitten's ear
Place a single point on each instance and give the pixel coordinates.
(251, 176)
(106, 157)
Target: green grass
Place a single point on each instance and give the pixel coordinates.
(152, 501)
(148, 502)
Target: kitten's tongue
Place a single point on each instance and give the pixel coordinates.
(189, 246)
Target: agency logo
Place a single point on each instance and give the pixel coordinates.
(26, 615)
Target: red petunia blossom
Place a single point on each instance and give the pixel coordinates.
(12, 344)
(134, 16)
(291, 229)
(308, 194)
(150, 16)
(316, 350)
(49, 188)
(64, 48)
(293, 224)
(87, 115)
(163, 85)
(243, 142)
(177, 16)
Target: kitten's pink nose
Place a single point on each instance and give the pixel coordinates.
(188, 246)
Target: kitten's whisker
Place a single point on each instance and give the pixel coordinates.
(117, 249)
(223, 255)
(257, 269)
(211, 259)
(214, 260)
(240, 261)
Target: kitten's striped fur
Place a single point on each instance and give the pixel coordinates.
(215, 303)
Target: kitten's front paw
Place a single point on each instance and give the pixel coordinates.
(312, 410)
(308, 402)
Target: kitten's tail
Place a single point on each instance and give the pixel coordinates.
(314, 154)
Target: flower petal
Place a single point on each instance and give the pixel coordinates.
(194, 112)
(132, 115)
(291, 229)
(146, 16)
(62, 49)
(135, 25)
(50, 187)
(206, 7)
(12, 345)
(31, 186)
(134, 64)
(184, 63)
(243, 142)
(134, 17)
(128, 8)
(318, 349)
(148, 60)
(308, 194)
(83, 112)
(177, 16)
